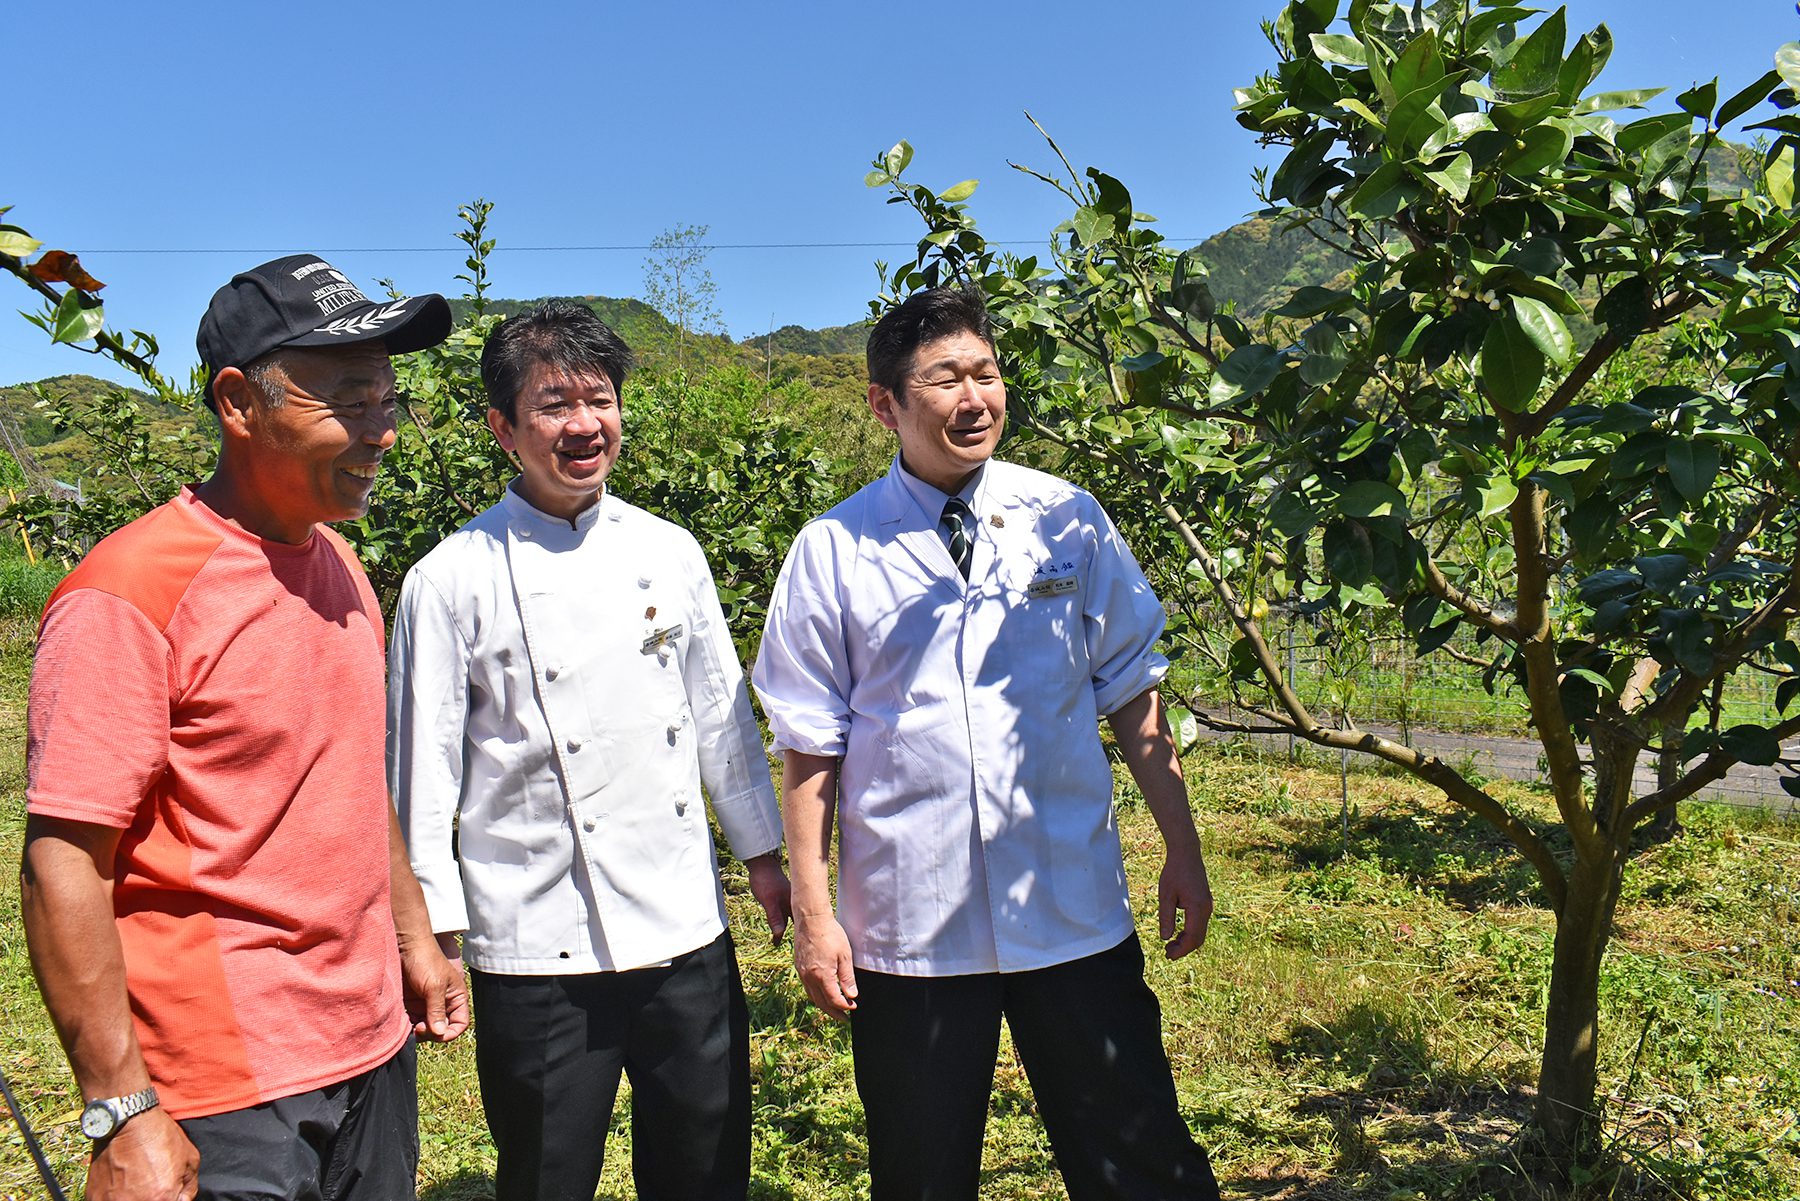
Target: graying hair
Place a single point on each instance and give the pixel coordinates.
(269, 374)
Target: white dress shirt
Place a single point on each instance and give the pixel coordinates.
(975, 797)
(557, 695)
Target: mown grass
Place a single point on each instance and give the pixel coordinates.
(1362, 1024)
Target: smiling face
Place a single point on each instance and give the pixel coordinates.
(566, 438)
(951, 410)
(311, 453)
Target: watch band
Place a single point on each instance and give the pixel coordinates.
(103, 1117)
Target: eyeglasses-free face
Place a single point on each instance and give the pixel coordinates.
(566, 438)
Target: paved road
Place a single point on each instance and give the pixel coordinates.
(1745, 785)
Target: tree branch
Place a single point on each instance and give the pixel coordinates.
(1710, 769)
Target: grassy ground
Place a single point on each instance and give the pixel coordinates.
(1363, 1023)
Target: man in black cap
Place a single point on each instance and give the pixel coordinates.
(218, 906)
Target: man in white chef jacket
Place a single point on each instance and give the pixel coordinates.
(939, 651)
(562, 684)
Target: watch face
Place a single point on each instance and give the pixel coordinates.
(97, 1120)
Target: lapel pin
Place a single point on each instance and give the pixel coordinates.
(650, 613)
(997, 521)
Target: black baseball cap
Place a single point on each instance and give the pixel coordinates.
(302, 300)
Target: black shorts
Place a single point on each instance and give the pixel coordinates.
(357, 1140)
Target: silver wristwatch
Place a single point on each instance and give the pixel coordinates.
(102, 1118)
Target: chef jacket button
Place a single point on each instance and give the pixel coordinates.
(588, 825)
(662, 652)
(643, 581)
(680, 808)
(550, 673)
(574, 744)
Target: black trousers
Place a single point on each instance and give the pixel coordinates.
(1089, 1034)
(357, 1140)
(549, 1050)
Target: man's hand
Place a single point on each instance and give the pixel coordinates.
(769, 885)
(149, 1159)
(822, 957)
(437, 998)
(1183, 886)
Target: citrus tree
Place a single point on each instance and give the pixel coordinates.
(1429, 439)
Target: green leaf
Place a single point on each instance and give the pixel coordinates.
(1545, 329)
(1699, 99)
(1755, 745)
(897, 157)
(1778, 174)
(1454, 178)
(17, 243)
(1625, 308)
(1325, 355)
(75, 322)
(1310, 300)
(1747, 99)
(1497, 493)
(1349, 555)
(959, 191)
(1453, 132)
(1787, 62)
(1360, 439)
(1693, 465)
(1362, 110)
(1093, 226)
(1534, 66)
(1614, 583)
(1419, 68)
(1417, 117)
(1584, 63)
(1249, 369)
(1544, 146)
(1591, 676)
(1521, 115)
(1512, 367)
(1340, 48)
(1112, 197)
(1606, 102)
(1292, 515)
(1184, 727)
(1386, 191)
(1371, 498)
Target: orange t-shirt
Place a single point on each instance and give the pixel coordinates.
(220, 699)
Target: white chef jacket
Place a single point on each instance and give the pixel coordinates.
(976, 829)
(565, 691)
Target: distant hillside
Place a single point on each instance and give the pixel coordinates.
(797, 339)
(1257, 263)
(18, 403)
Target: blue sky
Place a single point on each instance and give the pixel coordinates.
(173, 145)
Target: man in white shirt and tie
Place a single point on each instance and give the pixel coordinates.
(939, 650)
(562, 683)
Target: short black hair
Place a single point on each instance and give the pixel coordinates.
(923, 317)
(564, 334)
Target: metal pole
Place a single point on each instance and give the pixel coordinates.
(31, 1143)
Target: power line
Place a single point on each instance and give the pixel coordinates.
(463, 250)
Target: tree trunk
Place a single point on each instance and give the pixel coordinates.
(1566, 1113)
(1667, 823)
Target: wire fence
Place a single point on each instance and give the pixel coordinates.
(1474, 717)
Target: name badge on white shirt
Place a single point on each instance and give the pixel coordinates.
(659, 639)
(1051, 586)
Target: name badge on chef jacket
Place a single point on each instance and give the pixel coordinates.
(659, 639)
(1051, 586)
